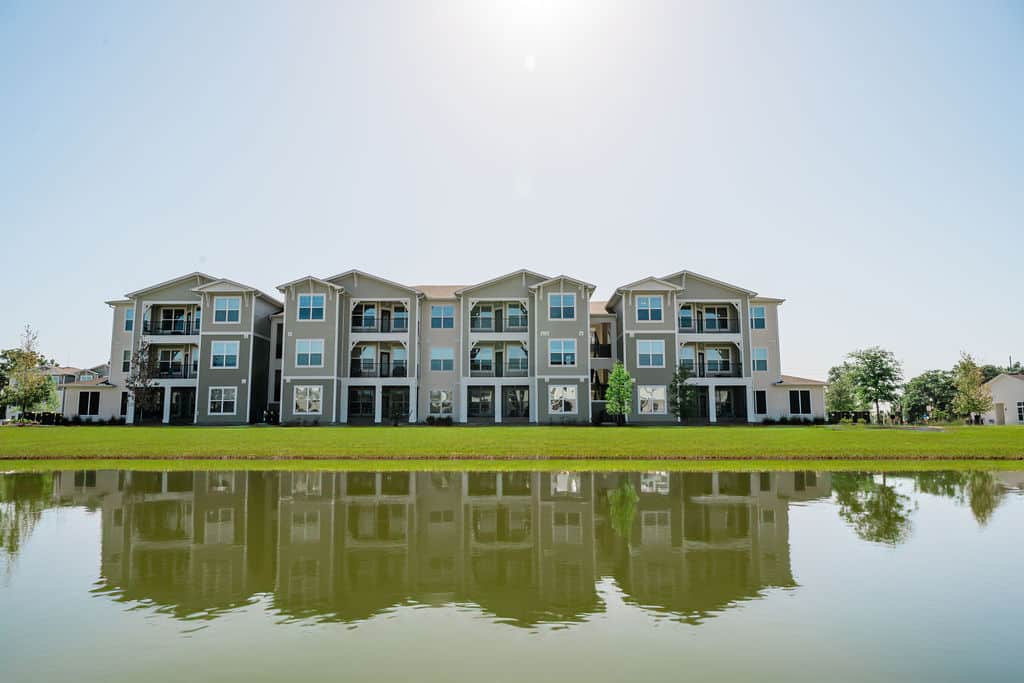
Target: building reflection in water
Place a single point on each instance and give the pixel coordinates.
(527, 547)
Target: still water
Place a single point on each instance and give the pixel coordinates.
(542, 576)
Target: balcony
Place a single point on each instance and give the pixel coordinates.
(492, 369)
(385, 325)
(364, 368)
(175, 371)
(724, 368)
(178, 328)
(600, 350)
(709, 326)
(512, 324)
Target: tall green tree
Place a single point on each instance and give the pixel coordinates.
(931, 393)
(682, 396)
(972, 396)
(876, 375)
(140, 380)
(619, 395)
(840, 392)
(27, 383)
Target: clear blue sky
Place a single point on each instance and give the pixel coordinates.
(864, 161)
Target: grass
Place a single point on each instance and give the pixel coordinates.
(530, 443)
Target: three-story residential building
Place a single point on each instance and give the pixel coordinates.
(519, 348)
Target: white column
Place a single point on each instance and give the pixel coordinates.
(534, 398)
(712, 415)
(750, 403)
(167, 405)
(130, 417)
(342, 403)
(463, 402)
(378, 398)
(497, 404)
(413, 401)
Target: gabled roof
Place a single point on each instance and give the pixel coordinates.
(115, 302)
(689, 273)
(1006, 374)
(521, 271)
(439, 291)
(223, 284)
(196, 274)
(361, 273)
(767, 300)
(792, 380)
(309, 278)
(598, 308)
(653, 284)
(556, 278)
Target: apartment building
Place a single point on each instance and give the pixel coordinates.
(524, 347)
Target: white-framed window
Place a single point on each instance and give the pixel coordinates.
(482, 318)
(687, 358)
(561, 306)
(649, 308)
(653, 399)
(686, 317)
(126, 360)
(761, 403)
(650, 353)
(1020, 411)
(800, 402)
(567, 527)
(517, 358)
(717, 359)
(399, 318)
(442, 358)
(562, 353)
(308, 399)
(227, 309)
(757, 318)
(129, 319)
(716, 318)
(562, 399)
(309, 353)
(760, 360)
(516, 317)
(481, 359)
(224, 354)
(440, 402)
(307, 483)
(89, 403)
(442, 317)
(311, 306)
(223, 400)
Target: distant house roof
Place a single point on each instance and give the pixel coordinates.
(98, 383)
(598, 308)
(63, 370)
(439, 291)
(1012, 375)
(793, 380)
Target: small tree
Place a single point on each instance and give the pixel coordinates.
(840, 392)
(619, 395)
(972, 396)
(27, 384)
(140, 378)
(682, 397)
(931, 393)
(876, 375)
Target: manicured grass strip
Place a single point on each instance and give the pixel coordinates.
(532, 442)
(621, 465)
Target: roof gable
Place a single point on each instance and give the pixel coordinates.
(356, 274)
(564, 278)
(522, 272)
(226, 285)
(200, 277)
(650, 284)
(684, 274)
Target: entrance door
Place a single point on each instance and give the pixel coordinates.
(1000, 413)
(385, 320)
(700, 364)
(183, 404)
(385, 361)
(515, 403)
(499, 363)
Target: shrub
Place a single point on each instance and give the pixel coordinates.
(818, 421)
(768, 421)
(446, 421)
(431, 420)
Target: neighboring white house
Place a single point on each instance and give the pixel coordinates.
(1007, 400)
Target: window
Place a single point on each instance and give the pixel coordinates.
(516, 317)
(307, 483)
(129, 319)
(567, 527)
(361, 402)
(648, 308)
(89, 403)
(279, 342)
(85, 479)
(442, 516)
(220, 482)
(768, 516)
(400, 319)
(481, 401)
(442, 359)
(482, 317)
(517, 358)
(124, 403)
(85, 377)
(440, 402)
(686, 317)
(364, 317)
(765, 481)
(716, 318)
(717, 359)
(222, 400)
(227, 309)
(224, 354)
(562, 398)
(171, 363)
(653, 400)
(309, 353)
(760, 357)
(562, 352)
(442, 317)
(311, 307)
(308, 400)
(686, 358)
(172, 320)
(757, 318)
(126, 360)
(481, 359)
(800, 402)
(761, 402)
(305, 526)
(650, 353)
(561, 306)
(1020, 411)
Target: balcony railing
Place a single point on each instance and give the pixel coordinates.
(395, 368)
(513, 324)
(380, 325)
(723, 325)
(176, 371)
(600, 350)
(715, 369)
(492, 369)
(170, 327)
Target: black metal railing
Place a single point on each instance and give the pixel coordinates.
(176, 371)
(723, 325)
(380, 325)
(170, 327)
(600, 350)
(725, 368)
(362, 368)
(492, 369)
(514, 324)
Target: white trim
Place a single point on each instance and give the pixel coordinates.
(295, 389)
(753, 359)
(323, 346)
(298, 307)
(289, 378)
(661, 308)
(663, 347)
(214, 321)
(575, 353)
(334, 361)
(238, 351)
(561, 306)
(209, 400)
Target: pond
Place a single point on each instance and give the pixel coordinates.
(117, 575)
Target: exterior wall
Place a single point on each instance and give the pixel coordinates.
(543, 331)
(1008, 391)
(223, 377)
(777, 398)
(294, 330)
(768, 338)
(430, 338)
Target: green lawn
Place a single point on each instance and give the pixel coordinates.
(433, 443)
